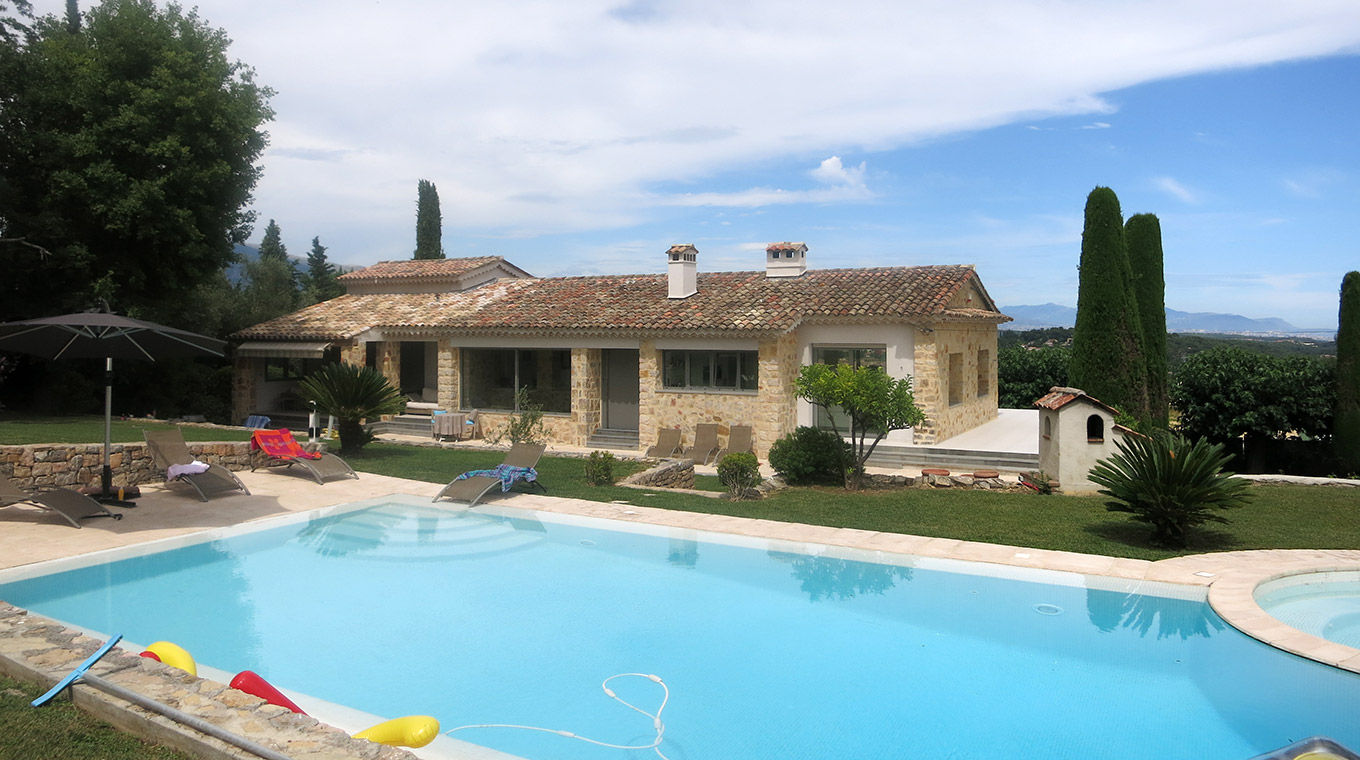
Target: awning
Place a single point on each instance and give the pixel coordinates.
(282, 349)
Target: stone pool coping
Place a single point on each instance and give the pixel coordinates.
(48, 651)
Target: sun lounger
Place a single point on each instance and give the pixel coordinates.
(705, 444)
(738, 441)
(667, 444)
(518, 466)
(171, 454)
(281, 449)
(73, 506)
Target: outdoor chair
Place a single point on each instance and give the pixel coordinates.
(472, 426)
(281, 449)
(667, 444)
(73, 506)
(171, 454)
(738, 441)
(519, 465)
(256, 422)
(705, 444)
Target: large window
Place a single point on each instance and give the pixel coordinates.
(491, 375)
(854, 356)
(709, 370)
(984, 372)
(955, 379)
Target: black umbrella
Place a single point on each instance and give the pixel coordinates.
(95, 334)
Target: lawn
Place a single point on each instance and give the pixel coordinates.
(1280, 517)
(20, 429)
(59, 731)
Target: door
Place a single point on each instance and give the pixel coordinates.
(620, 389)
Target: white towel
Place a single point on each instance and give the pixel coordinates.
(177, 470)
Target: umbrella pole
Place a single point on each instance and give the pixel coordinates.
(106, 494)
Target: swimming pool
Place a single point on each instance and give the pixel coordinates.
(770, 649)
(1325, 604)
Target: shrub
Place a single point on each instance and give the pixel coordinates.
(1170, 483)
(740, 472)
(600, 468)
(810, 456)
(525, 425)
(352, 393)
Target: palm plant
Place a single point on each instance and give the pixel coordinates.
(352, 393)
(1170, 483)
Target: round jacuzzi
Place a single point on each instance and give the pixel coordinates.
(1324, 604)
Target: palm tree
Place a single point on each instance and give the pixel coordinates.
(352, 393)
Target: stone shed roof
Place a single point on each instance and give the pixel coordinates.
(1058, 397)
(736, 303)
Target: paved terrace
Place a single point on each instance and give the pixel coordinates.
(29, 535)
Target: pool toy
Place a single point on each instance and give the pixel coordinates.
(173, 655)
(410, 731)
(252, 683)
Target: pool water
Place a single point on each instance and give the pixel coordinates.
(770, 649)
(1325, 604)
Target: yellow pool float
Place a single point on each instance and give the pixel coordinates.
(174, 655)
(410, 731)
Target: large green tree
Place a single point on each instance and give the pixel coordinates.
(270, 286)
(874, 402)
(1347, 422)
(1143, 234)
(1024, 374)
(1107, 342)
(14, 18)
(322, 284)
(429, 223)
(272, 247)
(128, 153)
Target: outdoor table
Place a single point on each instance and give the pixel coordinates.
(448, 424)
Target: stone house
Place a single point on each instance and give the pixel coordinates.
(626, 355)
(1075, 432)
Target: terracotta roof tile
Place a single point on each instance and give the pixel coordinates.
(412, 268)
(736, 302)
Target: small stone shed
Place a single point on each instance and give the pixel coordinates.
(1075, 432)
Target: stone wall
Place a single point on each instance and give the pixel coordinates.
(559, 428)
(450, 380)
(931, 384)
(675, 473)
(73, 465)
(587, 393)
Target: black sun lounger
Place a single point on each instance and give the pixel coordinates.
(73, 506)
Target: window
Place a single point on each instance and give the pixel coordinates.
(289, 369)
(709, 370)
(955, 379)
(1095, 429)
(854, 356)
(1048, 426)
(984, 372)
(491, 376)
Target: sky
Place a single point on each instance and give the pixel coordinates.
(589, 136)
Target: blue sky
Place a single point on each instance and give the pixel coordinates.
(587, 137)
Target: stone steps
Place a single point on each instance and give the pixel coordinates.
(605, 438)
(958, 460)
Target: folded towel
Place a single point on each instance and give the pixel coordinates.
(178, 470)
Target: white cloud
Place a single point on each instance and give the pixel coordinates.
(1174, 188)
(1097, 125)
(1313, 182)
(537, 117)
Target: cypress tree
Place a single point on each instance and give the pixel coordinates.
(1107, 342)
(321, 282)
(429, 223)
(1143, 233)
(272, 248)
(1346, 423)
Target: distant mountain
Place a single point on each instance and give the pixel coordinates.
(236, 270)
(1054, 315)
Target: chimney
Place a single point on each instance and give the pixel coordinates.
(785, 259)
(681, 271)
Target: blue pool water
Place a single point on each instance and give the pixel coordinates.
(769, 651)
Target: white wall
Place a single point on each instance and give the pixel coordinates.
(901, 353)
(1069, 454)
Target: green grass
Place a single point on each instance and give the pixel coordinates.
(1280, 517)
(19, 429)
(59, 731)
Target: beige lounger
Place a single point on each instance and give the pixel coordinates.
(167, 447)
(73, 506)
(472, 489)
(667, 444)
(738, 441)
(705, 444)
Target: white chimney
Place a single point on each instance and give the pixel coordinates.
(681, 271)
(785, 259)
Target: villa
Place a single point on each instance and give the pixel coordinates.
(620, 357)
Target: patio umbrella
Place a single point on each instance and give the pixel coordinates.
(101, 333)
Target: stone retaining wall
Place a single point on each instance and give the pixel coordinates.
(72, 465)
(674, 473)
(942, 481)
(39, 650)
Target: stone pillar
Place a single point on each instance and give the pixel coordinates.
(244, 382)
(927, 387)
(354, 352)
(389, 362)
(776, 402)
(649, 381)
(586, 391)
(450, 393)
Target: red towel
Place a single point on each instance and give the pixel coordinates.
(280, 444)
